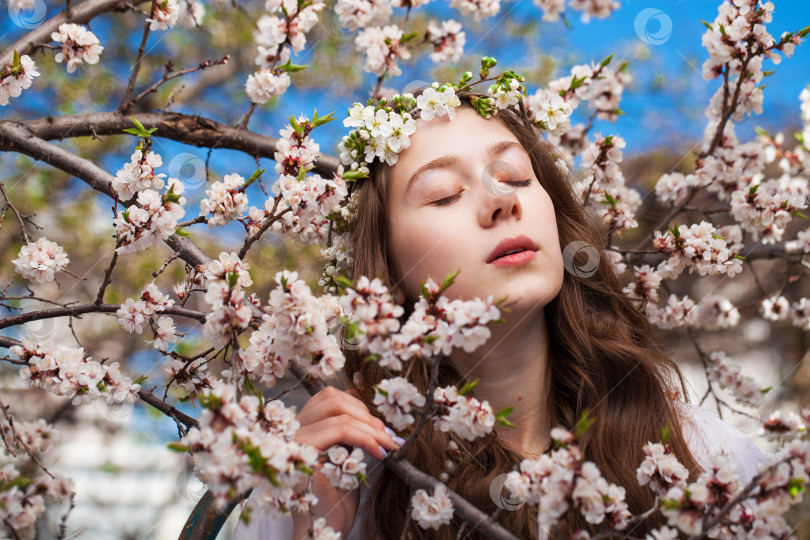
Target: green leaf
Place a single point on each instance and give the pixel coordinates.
(233, 277)
(356, 174)
(132, 131)
(181, 232)
(708, 24)
(177, 447)
(795, 486)
(665, 433)
(140, 379)
(449, 279)
(380, 390)
(501, 417)
(576, 82)
(15, 62)
(137, 124)
(210, 401)
(322, 120)
(676, 232)
(583, 425)
(407, 37)
(253, 177)
(343, 281)
(468, 387)
(606, 61)
(506, 423)
(292, 68)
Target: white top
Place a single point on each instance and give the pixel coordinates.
(705, 433)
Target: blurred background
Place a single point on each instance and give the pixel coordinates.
(128, 484)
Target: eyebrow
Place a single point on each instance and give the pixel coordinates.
(450, 161)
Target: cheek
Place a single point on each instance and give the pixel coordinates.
(426, 247)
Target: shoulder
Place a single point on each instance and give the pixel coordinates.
(707, 434)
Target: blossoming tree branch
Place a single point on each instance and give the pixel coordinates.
(243, 441)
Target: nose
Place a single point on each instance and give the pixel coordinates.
(500, 201)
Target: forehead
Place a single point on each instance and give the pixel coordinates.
(466, 136)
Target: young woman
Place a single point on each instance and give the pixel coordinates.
(456, 197)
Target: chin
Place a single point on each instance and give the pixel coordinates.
(528, 299)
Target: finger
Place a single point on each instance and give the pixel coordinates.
(345, 429)
(327, 403)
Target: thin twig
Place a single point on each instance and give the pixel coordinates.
(63, 525)
(126, 104)
(17, 214)
(107, 275)
(19, 440)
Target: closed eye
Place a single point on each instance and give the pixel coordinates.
(448, 200)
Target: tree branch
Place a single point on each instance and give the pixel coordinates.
(192, 130)
(73, 311)
(79, 14)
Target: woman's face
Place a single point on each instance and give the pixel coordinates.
(453, 213)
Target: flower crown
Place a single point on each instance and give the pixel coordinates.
(380, 131)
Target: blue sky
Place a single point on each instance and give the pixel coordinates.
(664, 105)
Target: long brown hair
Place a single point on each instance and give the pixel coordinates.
(602, 358)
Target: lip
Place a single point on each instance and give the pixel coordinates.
(513, 242)
(515, 259)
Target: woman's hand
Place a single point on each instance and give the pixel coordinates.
(333, 417)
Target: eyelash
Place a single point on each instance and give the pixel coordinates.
(448, 200)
